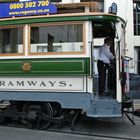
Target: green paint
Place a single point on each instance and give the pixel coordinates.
(60, 19)
(46, 66)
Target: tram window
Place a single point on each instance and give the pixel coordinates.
(103, 29)
(57, 38)
(11, 41)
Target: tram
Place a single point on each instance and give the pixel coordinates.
(48, 62)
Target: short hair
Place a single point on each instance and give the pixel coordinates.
(107, 40)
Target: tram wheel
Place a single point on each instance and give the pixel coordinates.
(32, 121)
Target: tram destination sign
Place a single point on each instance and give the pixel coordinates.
(27, 8)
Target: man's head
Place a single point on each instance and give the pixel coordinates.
(108, 41)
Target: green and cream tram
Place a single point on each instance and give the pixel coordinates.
(48, 62)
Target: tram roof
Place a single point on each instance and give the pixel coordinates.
(61, 18)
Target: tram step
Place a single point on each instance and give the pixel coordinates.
(104, 108)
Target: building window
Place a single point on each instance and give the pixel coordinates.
(99, 2)
(136, 18)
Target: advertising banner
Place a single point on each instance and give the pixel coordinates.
(27, 8)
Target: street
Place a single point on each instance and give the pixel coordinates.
(7, 133)
(102, 129)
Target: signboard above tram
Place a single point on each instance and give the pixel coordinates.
(34, 7)
(3, 1)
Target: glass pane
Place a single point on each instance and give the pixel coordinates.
(11, 40)
(138, 18)
(138, 32)
(135, 29)
(135, 19)
(59, 38)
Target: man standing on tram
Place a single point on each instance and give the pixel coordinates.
(104, 60)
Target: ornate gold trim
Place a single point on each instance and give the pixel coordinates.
(26, 67)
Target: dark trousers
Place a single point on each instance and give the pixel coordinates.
(102, 67)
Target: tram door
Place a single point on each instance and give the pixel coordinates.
(102, 30)
(112, 72)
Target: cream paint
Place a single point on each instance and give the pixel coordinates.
(53, 84)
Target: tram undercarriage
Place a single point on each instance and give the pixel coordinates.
(40, 115)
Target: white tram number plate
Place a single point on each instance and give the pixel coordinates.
(42, 84)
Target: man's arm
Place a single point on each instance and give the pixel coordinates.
(109, 54)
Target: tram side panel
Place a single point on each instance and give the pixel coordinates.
(49, 80)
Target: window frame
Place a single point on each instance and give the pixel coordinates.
(136, 22)
(57, 53)
(23, 35)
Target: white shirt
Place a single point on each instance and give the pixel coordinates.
(105, 55)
